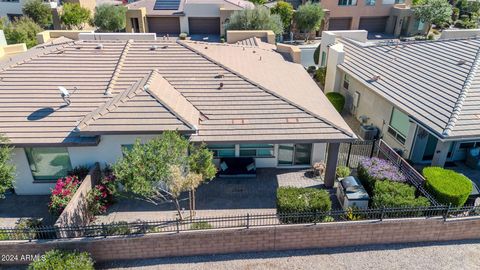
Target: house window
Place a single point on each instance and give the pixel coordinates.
(324, 59)
(347, 2)
(469, 145)
(399, 1)
(346, 81)
(48, 163)
(399, 125)
(256, 150)
(135, 25)
(370, 2)
(222, 150)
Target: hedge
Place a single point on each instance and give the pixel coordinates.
(337, 100)
(320, 75)
(447, 186)
(65, 260)
(373, 169)
(302, 200)
(393, 194)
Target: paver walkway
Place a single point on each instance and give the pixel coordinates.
(220, 197)
(14, 207)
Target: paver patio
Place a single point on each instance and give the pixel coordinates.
(221, 196)
(15, 207)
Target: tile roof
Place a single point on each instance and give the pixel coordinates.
(184, 82)
(437, 83)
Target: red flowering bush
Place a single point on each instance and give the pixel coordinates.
(62, 194)
(102, 195)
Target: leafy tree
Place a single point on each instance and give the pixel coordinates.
(309, 18)
(285, 10)
(201, 164)
(258, 18)
(110, 18)
(7, 169)
(22, 30)
(258, 2)
(435, 12)
(39, 12)
(74, 16)
(161, 169)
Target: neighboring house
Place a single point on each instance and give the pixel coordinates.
(173, 17)
(393, 17)
(13, 8)
(424, 96)
(241, 100)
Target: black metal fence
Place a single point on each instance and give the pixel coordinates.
(351, 153)
(237, 221)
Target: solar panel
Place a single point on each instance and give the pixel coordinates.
(166, 4)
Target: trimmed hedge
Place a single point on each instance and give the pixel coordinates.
(373, 169)
(447, 186)
(302, 200)
(66, 260)
(337, 100)
(393, 194)
(320, 75)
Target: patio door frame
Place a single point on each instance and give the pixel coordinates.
(293, 165)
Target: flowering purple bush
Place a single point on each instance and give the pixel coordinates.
(373, 169)
(380, 169)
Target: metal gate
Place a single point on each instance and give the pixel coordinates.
(350, 154)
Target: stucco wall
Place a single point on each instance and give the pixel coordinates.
(236, 35)
(372, 105)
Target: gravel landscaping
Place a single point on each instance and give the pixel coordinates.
(448, 255)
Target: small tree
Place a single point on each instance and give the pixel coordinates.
(435, 12)
(7, 169)
(285, 11)
(110, 18)
(161, 169)
(309, 18)
(22, 30)
(74, 16)
(201, 163)
(258, 18)
(39, 12)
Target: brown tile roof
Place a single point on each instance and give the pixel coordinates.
(281, 103)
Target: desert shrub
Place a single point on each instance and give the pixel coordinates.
(447, 186)
(337, 100)
(372, 169)
(118, 228)
(26, 228)
(65, 260)
(202, 225)
(431, 36)
(342, 171)
(320, 75)
(352, 213)
(394, 194)
(182, 36)
(302, 200)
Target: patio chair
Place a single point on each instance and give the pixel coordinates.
(473, 158)
(237, 167)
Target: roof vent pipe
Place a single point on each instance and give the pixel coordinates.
(220, 86)
(99, 46)
(153, 48)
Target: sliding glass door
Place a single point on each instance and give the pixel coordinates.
(294, 154)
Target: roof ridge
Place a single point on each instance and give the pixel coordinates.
(452, 121)
(111, 104)
(266, 90)
(118, 67)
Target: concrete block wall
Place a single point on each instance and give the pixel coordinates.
(256, 239)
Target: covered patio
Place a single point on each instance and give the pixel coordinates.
(222, 196)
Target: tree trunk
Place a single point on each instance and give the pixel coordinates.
(193, 202)
(179, 210)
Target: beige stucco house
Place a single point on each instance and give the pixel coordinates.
(243, 100)
(423, 96)
(182, 16)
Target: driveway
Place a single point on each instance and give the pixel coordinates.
(221, 196)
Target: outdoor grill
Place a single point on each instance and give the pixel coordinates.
(351, 193)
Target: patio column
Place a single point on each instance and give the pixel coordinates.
(332, 158)
(441, 153)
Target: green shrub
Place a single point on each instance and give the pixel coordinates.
(337, 100)
(342, 171)
(183, 36)
(447, 186)
(311, 69)
(393, 194)
(64, 260)
(202, 225)
(316, 55)
(118, 228)
(431, 36)
(320, 75)
(302, 200)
